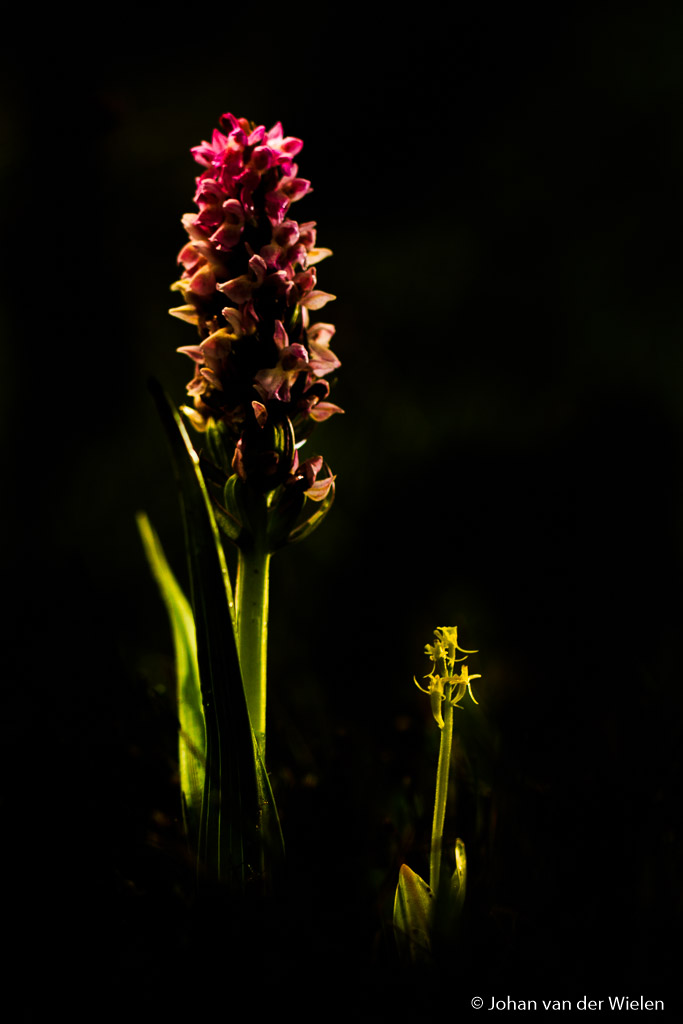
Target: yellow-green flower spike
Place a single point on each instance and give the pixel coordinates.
(449, 686)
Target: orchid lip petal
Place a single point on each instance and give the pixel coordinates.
(297, 352)
(315, 330)
(280, 335)
(260, 412)
(211, 377)
(193, 351)
(239, 289)
(323, 410)
(187, 313)
(317, 255)
(234, 318)
(319, 490)
(259, 266)
(317, 299)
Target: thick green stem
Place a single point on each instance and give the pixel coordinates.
(441, 794)
(252, 622)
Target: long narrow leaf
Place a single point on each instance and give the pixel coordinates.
(273, 841)
(231, 841)
(192, 741)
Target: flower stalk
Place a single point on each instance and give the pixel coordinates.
(442, 772)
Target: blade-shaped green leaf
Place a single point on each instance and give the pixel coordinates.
(232, 841)
(413, 912)
(192, 740)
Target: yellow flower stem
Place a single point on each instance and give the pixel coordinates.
(251, 599)
(442, 772)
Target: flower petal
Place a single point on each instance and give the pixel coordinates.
(317, 299)
(319, 490)
(323, 410)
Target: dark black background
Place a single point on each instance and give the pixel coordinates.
(503, 192)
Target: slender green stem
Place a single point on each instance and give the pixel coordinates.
(251, 598)
(441, 794)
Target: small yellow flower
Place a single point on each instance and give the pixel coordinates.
(436, 651)
(463, 683)
(448, 636)
(436, 695)
(450, 686)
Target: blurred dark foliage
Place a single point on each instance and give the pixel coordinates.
(504, 197)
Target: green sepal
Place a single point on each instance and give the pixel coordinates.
(192, 737)
(234, 846)
(413, 914)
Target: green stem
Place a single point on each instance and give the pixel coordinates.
(251, 599)
(441, 794)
